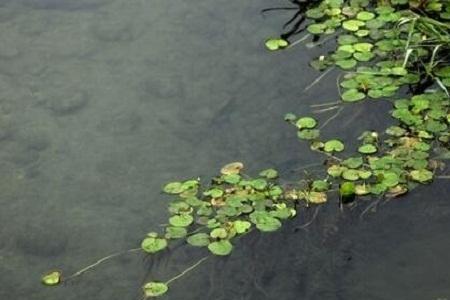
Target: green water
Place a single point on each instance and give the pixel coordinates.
(102, 102)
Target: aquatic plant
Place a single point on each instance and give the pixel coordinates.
(394, 50)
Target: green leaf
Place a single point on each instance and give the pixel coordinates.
(264, 221)
(181, 220)
(219, 233)
(346, 63)
(232, 178)
(306, 122)
(241, 226)
(155, 289)
(269, 173)
(221, 248)
(333, 146)
(173, 188)
(352, 25)
(316, 28)
(175, 232)
(363, 47)
(153, 244)
(365, 16)
(308, 134)
(350, 174)
(352, 95)
(51, 279)
(259, 184)
(422, 175)
(276, 44)
(367, 149)
(198, 240)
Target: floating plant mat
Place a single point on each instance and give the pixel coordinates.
(395, 51)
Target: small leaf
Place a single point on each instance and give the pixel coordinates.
(155, 289)
(173, 188)
(52, 278)
(181, 220)
(352, 95)
(198, 240)
(269, 173)
(276, 44)
(421, 175)
(367, 149)
(365, 16)
(221, 248)
(153, 244)
(218, 233)
(232, 168)
(306, 122)
(333, 146)
(241, 226)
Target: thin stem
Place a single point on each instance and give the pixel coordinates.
(319, 111)
(326, 104)
(299, 41)
(332, 118)
(187, 270)
(316, 81)
(78, 273)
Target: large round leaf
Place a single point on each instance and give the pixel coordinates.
(221, 248)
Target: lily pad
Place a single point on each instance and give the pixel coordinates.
(269, 173)
(181, 220)
(232, 168)
(153, 244)
(264, 221)
(352, 95)
(221, 248)
(333, 146)
(173, 188)
(422, 175)
(198, 240)
(241, 226)
(306, 122)
(367, 149)
(276, 44)
(51, 279)
(155, 289)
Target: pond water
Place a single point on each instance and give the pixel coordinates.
(102, 102)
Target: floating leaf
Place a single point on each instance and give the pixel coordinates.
(308, 134)
(181, 220)
(155, 289)
(264, 221)
(306, 122)
(346, 63)
(316, 197)
(367, 149)
(269, 173)
(241, 226)
(352, 25)
(221, 248)
(422, 175)
(333, 146)
(153, 244)
(173, 188)
(232, 178)
(51, 279)
(276, 44)
(220, 233)
(198, 240)
(365, 16)
(352, 95)
(232, 168)
(350, 174)
(175, 232)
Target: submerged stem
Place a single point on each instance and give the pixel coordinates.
(187, 270)
(78, 273)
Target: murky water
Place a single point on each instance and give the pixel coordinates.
(102, 102)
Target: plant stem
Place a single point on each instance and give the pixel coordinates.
(78, 273)
(187, 270)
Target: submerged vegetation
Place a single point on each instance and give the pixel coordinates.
(394, 50)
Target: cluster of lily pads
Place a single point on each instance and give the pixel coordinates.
(383, 48)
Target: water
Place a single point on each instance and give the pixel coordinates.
(102, 102)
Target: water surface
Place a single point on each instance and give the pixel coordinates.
(102, 102)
